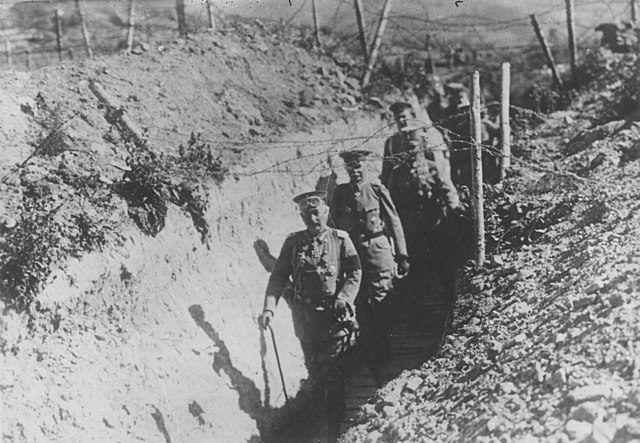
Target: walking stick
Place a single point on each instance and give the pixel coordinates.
(275, 348)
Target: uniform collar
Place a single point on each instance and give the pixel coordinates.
(320, 236)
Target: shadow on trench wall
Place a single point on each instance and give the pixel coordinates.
(274, 424)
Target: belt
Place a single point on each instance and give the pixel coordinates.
(369, 236)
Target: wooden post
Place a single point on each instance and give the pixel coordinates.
(29, 60)
(545, 49)
(85, 31)
(182, 22)
(58, 19)
(363, 38)
(7, 48)
(373, 54)
(210, 16)
(633, 11)
(476, 165)
(572, 41)
(316, 27)
(505, 128)
(127, 128)
(131, 27)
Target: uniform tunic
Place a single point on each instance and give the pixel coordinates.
(368, 214)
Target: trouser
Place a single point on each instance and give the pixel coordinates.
(328, 355)
(374, 301)
(375, 317)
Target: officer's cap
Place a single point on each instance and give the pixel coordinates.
(398, 107)
(311, 199)
(354, 156)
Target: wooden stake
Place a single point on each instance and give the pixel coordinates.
(505, 128)
(572, 41)
(182, 22)
(210, 16)
(373, 54)
(29, 60)
(545, 49)
(131, 26)
(363, 38)
(58, 20)
(7, 48)
(85, 31)
(476, 165)
(316, 27)
(127, 128)
(633, 11)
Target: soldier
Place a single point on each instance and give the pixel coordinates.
(325, 270)
(425, 198)
(364, 209)
(405, 117)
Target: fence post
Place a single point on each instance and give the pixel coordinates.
(29, 61)
(131, 26)
(182, 23)
(58, 20)
(505, 127)
(363, 38)
(572, 41)
(476, 165)
(85, 31)
(633, 11)
(373, 54)
(545, 49)
(212, 20)
(7, 48)
(314, 9)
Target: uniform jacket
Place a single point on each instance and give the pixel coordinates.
(322, 268)
(421, 190)
(366, 209)
(394, 146)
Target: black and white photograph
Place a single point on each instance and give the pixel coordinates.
(320, 221)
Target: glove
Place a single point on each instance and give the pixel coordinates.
(266, 318)
(403, 266)
(340, 309)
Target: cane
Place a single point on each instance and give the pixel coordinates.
(275, 348)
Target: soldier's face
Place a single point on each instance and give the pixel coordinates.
(355, 171)
(315, 219)
(403, 118)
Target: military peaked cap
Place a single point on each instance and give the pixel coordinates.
(398, 107)
(354, 155)
(311, 199)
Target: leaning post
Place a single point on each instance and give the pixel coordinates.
(505, 127)
(546, 50)
(373, 54)
(58, 20)
(476, 165)
(85, 31)
(131, 26)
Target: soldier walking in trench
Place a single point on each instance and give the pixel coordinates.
(364, 209)
(325, 270)
(428, 205)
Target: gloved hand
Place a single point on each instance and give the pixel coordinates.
(403, 266)
(266, 318)
(340, 309)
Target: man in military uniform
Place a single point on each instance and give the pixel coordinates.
(426, 200)
(364, 209)
(395, 146)
(325, 271)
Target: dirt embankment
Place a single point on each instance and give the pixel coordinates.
(155, 337)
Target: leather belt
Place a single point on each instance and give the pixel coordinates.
(369, 236)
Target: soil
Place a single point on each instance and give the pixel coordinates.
(155, 337)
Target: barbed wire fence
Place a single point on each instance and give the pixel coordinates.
(108, 26)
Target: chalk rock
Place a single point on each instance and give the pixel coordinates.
(589, 393)
(587, 411)
(577, 430)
